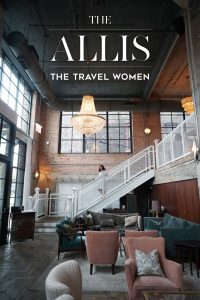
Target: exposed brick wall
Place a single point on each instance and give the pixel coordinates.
(56, 167)
(140, 121)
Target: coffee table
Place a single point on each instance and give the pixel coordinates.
(173, 295)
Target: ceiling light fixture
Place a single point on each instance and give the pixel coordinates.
(187, 104)
(87, 121)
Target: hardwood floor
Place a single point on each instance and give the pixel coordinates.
(22, 263)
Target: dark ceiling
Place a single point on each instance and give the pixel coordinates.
(44, 23)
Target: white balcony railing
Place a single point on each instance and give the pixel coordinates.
(113, 180)
(60, 205)
(178, 143)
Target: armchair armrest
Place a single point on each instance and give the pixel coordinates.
(130, 271)
(174, 272)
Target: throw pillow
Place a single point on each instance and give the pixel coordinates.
(148, 264)
(107, 222)
(129, 221)
(70, 231)
(89, 220)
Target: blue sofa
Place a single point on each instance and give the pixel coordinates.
(173, 229)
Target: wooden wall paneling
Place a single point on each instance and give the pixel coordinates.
(181, 198)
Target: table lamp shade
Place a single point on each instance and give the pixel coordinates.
(155, 205)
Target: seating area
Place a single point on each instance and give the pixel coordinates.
(99, 150)
(146, 267)
(172, 229)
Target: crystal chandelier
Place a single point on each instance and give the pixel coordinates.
(188, 105)
(87, 121)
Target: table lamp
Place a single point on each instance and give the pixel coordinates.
(155, 206)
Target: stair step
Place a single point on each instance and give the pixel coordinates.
(45, 230)
(45, 224)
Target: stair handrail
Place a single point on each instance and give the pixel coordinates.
(169, 149)
(115, 178)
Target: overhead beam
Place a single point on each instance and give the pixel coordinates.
(142, 106)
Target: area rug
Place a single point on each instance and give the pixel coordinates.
(101, 280)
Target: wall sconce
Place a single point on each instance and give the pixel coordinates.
(38, 128)
(195, 150)
(147, 131)
(36, 175)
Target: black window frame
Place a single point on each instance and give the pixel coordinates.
(26, 98)
(94, 137)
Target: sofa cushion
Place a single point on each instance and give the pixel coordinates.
(95, 217)
(153, 224)
(171, 234)
(171, 221)
(107, 222)
(148, 264)
(130, 221)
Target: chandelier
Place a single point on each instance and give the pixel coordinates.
(188, 105)
(87, 121)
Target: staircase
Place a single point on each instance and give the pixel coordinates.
(47, 224)
(115, 183)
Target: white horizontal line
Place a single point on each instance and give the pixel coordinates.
(101, 29)
(100, 66)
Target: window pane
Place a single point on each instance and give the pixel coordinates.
(113, 132)
(102, 134)
(13, 93)
(12, 102)
(170, 121)
(14, 175)
(125, 133)
(13, 89)
(5, 131)
(113, 120)
(119, 128)
(66, 133)
(125, 146)
(4, 95)
(65, 147)
(90, 146)
(77, 146)
(5, 81)
(6, 69)
(113, 146)
(124, 120)
(101, 146)
(14, 78)
(66, 121)
(4, 147)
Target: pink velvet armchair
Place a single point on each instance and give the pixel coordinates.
(135, 233)
(102, 248)
(137, 284)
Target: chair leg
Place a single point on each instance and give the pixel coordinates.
(113, 269)
(91, 268)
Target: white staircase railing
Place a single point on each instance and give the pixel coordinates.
(60, 205)
(178, 143)
(113, 180)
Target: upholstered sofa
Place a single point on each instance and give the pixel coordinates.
(112, 221)
(173, 229)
